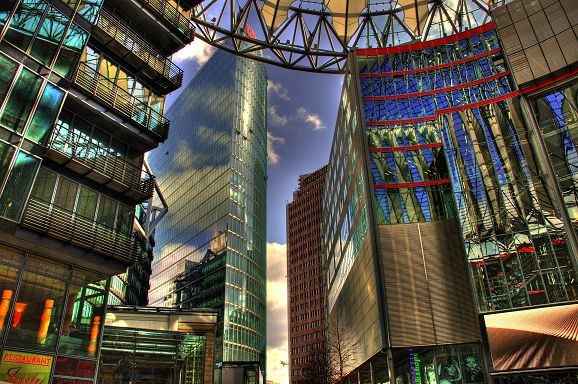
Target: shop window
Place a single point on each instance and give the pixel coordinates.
(9, 263)
(20, 100)
(83, 318)
(38, 306)
(18, 185)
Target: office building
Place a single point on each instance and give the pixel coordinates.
(449, 210)
(210, 246)
(305, 281)
(81, 100)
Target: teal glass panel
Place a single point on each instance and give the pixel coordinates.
(25, 22)
(5, 8)
(45, 114)
(6, 152)
(19, 182)
(6, 75)
(20, 101)
(89, 9)
(50, 34)
(69, 55)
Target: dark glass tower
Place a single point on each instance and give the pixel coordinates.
(210, 247)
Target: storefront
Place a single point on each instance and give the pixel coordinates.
(50, 319)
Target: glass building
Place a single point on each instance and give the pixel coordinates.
(81, 100)
(210, 246)
(449, 212)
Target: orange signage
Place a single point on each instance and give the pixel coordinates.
(25, 368)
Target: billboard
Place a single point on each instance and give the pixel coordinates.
(20, 367)
(533, 338)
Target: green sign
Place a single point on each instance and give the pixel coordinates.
(25, 368)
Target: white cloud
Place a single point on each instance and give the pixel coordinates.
(278, 89)
(275, 118)
(277, 343)
(272, 143)
(311, 118)
(198, 51)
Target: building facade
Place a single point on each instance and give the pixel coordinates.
(305, 280)
(210, 247)
(449, 230)
(81, 100)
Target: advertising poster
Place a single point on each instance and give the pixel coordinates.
(21, 367)
(534, 338)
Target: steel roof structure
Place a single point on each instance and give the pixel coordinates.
(316, 35)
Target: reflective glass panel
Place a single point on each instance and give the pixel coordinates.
(18, 185)
(43, 119)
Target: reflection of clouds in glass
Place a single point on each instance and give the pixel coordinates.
(272, 143)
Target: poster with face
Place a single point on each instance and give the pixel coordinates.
(534, 338)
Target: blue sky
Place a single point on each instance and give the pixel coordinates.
(302, 108)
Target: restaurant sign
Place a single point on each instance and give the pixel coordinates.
(25, 368)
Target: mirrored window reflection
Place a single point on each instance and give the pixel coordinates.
(20, 101)
(18, 185)
(83, 317)
(38, 305)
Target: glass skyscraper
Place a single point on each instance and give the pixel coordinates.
(210, 247)
(450, 206)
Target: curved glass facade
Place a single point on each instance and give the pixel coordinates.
(212, 172)
(444, 142)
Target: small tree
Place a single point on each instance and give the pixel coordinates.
(341, 349)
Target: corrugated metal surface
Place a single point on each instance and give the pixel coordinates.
(429, 298)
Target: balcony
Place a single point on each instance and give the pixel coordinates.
(72, 150)
(171, 31)
(100, 87)
(137, 52)
(83, 232)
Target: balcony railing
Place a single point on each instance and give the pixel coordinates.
(140, 48)
(121, 101)
(168, 12)
(73, 146)
(83, 232)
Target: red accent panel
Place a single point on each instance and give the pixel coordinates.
(402, 121)
(478, 104)
(444, 111)
(433, 67)
(413, 184)
(425, 44)
(407, 147)
(536, 292)
(435, 91)
(549, 82)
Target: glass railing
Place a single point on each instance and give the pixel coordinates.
(121, 101)
(172, 15)
(75, 146)
(139, 47)
(83, 232)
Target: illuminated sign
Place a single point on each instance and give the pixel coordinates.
(414, 367)
(25, 368)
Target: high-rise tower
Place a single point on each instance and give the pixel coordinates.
(82, 87)
(450, 207)
(210, 247)
(305, 280)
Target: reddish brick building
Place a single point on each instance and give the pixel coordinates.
(304, 273)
